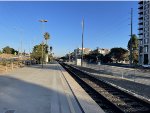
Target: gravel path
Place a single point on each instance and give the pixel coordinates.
(137, 88)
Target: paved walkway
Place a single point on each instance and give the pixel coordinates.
(36, 90)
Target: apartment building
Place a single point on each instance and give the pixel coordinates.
(78, 51)
(101, 51)
(144, 32)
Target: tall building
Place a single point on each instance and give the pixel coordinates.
(144, 32)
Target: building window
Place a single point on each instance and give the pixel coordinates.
(146, 2)
(145, 59)
(140, 31)
(140, 36)
(141, 42)
(146, 23)
(146, 12)
(140, 26)
(146, 6)
(146, 17)
(140, 59)
(146, 29)
(146, 35)
(140, 21)
(141, 49)
(146, 41)
(145, 49)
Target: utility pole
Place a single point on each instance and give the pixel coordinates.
(43, 21)
(82, 42)
(69, 57)
(131, 38)
(42, 53)
(18, 52)
(21, 48)
(76, 56)
(21, 32)
(30, 50)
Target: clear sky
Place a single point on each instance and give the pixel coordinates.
(106, 24)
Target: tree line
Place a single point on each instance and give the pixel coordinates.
(9, 50)
(37, 51)
(116, 54)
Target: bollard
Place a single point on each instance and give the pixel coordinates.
(18, 64)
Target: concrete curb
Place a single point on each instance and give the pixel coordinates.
(86, 102)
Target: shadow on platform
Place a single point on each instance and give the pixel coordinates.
(25, 97)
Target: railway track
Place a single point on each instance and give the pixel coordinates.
(109, 98)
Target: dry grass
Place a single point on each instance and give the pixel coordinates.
(6, 65)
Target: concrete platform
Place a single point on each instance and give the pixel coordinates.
(48, 90)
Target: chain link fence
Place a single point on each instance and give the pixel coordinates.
(7, 65)
(135, 75)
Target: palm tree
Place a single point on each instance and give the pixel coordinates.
(46, 36)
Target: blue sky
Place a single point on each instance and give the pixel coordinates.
(106, 24)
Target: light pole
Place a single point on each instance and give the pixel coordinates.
(21, 33)
(131, 58)
(42, 21)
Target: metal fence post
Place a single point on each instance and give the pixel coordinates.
(6, 67)
(134, 75)
(12, 66)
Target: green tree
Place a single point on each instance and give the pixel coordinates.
(37, 52)
(134, 41)
(9, 50)
(118, 54)
(107, 58)
(94, 57)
